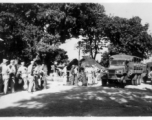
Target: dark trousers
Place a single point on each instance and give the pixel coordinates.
(12, 82)
(43, 81)
(72, 79)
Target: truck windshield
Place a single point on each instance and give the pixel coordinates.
(117, 62)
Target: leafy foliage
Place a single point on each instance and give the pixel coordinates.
(105, 59)
(128, 36)
(25, 33)
(93, 20)
(31, 30)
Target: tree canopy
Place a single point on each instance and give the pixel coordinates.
(128, 36)
(31, 30)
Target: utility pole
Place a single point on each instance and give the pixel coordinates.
(79, 43)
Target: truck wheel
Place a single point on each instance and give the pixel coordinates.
(144, 79)
(134, 80)
(104, 82)
(110, 82)
(139, 79)
(122, 84)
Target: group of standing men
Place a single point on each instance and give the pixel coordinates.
(15, 76)
(84, 76)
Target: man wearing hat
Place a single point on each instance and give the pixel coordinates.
(43, 74)
(104, 77)
(5, 75)
(37, 80)
(17, 84)
(1, 80)
(12, 71)
(23, 74)
(30, 71)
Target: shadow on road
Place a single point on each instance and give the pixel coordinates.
(85, 101)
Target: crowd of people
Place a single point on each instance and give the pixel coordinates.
(33, 77)
(79, 76)
(14, 76)
(84, 76)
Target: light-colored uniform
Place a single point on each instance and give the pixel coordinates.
(30, 78)
(65, 75)
(1, 80)
(12, 71)
(89, 74)
(5, 77)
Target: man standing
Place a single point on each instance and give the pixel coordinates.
(82, 77)
(12, 71)
(30, 70)
(72, 75)
(5, 75)
(17, 85)
(37, 79)
(65, 75)
(43, 74)
(89, 74)
(1, 80)
(23, 73)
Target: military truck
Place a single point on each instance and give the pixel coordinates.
(125, 69)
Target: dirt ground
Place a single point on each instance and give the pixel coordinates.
(59, 100)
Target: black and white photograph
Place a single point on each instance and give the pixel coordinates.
(76, 58)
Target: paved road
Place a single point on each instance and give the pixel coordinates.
(60, 100)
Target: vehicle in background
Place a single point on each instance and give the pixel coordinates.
(125, 69)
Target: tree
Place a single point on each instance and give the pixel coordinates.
(93, 19)
(105, 59)
(24, 32)
(128, 36)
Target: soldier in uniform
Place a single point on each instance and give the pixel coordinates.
(12, 71)
(23, 74)
(76, 72)
(30, 70)
(82, 78)
(17, 85)
(1, 80)
(36, 76)
(65, 75)
(72, 75)
(43, 74)
(89, 73)
(104, 77)
(5, 75)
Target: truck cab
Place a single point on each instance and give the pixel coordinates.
(125, 69)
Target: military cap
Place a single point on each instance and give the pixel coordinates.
(5, 60)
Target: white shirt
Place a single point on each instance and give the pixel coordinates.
(23, 71)
(11, 69)
(29, 69)
(37, 69)
(4, 69)
(88, 70)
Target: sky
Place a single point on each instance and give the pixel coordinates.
(128, 10)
